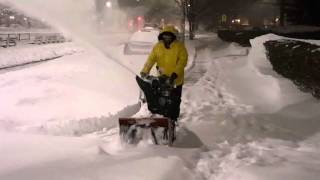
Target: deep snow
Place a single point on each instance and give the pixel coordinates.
(62, 96)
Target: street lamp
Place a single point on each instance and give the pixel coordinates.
(12, 17)
(108, 4)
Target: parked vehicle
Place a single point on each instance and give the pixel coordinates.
(8, 42)
(47, 39)
(141, 42)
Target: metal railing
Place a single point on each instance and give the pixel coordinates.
(12, 39)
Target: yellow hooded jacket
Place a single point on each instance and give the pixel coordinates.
(169, 61)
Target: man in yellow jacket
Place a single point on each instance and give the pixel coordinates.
(170, 57)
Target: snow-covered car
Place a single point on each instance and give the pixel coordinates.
(141, 42)
(8, 42)
(150, 26)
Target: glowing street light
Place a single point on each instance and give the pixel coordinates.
(12, 17)
(238, 21)
(108, 4)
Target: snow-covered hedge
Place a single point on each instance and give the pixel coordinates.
(243, 36)
(298, 61)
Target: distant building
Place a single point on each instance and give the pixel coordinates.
(264, 13)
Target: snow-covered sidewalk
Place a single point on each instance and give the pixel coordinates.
(256, 124)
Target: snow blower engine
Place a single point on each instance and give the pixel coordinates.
(158, 95)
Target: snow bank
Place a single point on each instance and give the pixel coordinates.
(71, 95)
(75, 94)
(23, 55)
(255, 83)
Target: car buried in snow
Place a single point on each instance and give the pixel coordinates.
(141, 42)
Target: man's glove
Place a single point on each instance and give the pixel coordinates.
(173, 77)
(143, 74)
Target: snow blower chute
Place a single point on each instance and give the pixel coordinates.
(157, 94)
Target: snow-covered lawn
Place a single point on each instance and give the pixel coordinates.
(11, 57)
(83, 92)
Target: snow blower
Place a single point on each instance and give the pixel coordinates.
(157, 91)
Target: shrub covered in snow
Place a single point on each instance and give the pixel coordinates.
(298, 61)
(243, 36)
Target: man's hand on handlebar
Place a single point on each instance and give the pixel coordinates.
(173, 77)
(143, 74)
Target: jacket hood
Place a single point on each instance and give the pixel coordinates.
(171, 30)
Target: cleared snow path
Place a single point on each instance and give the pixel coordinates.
(255, 126)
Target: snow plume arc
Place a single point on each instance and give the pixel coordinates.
(77, 18)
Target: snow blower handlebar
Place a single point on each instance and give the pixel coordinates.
(162, 80)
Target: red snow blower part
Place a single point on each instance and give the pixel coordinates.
(157, 94)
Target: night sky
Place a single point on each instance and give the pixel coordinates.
(299, 11)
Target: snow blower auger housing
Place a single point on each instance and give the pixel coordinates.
(157, 91)
(130, 127)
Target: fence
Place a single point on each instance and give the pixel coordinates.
(12, 39)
